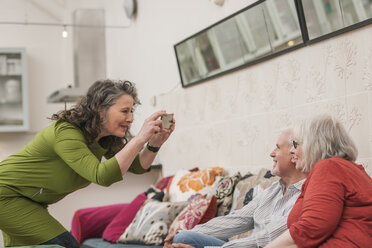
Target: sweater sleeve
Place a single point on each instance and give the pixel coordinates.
(322, 205)
(136, 166)
(70, 145)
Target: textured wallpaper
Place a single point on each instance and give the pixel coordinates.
(234, 120)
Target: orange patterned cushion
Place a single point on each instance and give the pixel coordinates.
(199, 179)
(186, 184)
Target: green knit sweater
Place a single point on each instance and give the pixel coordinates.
(57, 162)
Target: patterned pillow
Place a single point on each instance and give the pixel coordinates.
(224, 193)
(154, 193)
(247, 188)
(251, 185)
(123, 219)
(264, 180)
(199, 207)
(151, 224)
(185, 183)
(243, 192)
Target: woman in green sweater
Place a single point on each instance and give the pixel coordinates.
(67, 156)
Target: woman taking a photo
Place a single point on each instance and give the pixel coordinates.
(66, 156)
(335, 205)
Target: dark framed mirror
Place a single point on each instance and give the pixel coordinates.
(264, 30)
(261, 29)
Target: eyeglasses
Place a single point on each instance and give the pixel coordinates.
(295, 144)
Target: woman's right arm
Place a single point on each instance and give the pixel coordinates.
(71, 147)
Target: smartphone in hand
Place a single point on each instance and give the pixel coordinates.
(167, 121)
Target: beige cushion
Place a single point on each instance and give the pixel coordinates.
(247, 188)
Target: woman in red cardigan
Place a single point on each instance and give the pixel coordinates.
(335, 205)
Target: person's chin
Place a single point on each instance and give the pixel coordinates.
(120, 135)
(275, 170)
(122, 132)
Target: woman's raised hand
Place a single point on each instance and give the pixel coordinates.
(153, 131)
(160, 137)
(151, 126)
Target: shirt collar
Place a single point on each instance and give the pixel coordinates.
(297, 185)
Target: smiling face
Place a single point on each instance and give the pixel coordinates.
(297, 155)
(281, 155)
(118, 117)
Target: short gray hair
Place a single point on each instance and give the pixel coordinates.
(323, 137)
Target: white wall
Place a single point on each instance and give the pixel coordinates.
(230, 121)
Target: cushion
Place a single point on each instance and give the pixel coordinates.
(154, 193)
(251, 185)
(265, 179)
(224, 193)
(91, 222)
(151, 224)
(122, 220)
(100, 243)
(247, 188)
(194, 212)
(243, 192)
(185, 183)
(163, 183)
(211, 211)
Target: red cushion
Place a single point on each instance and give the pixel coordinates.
(193, 213)
(163, 183)
(91, 222)
(211, 211)
(122, 220)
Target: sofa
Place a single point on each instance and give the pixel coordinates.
(99, 242)
(177, 202)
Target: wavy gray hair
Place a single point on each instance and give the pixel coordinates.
(323, 137)
(85, 114)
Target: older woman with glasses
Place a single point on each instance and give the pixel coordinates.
(335, 205)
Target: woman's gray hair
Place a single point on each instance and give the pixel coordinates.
(323, 137)
(85, 114)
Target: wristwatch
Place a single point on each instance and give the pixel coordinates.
(152, 148)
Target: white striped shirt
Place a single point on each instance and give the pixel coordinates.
(267, 213)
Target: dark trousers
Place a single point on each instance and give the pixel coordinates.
(65, 239)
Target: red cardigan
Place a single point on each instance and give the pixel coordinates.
(334, 208)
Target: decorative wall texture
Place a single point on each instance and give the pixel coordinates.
(234, 120)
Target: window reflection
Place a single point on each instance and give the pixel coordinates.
(207, 52)
(326, 16)
(367, 5)
(229, 43)
(257, 32)
(285, 23)
(356, 11)
(187, 62)
(287, 16)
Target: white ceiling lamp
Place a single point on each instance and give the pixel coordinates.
(130, 7)
(218, 2)
(64, 32)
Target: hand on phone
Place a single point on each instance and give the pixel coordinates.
(167, 121)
